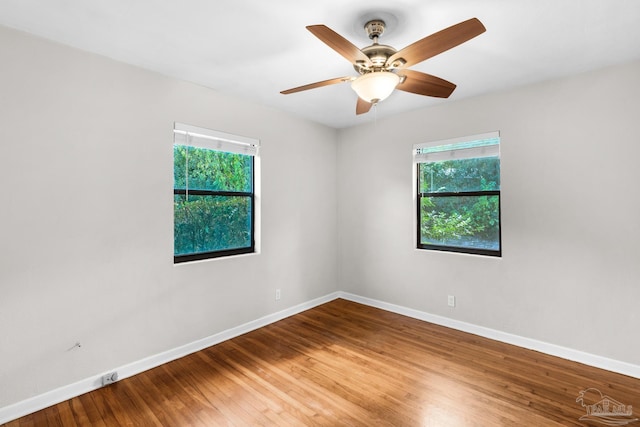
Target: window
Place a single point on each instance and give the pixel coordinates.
(213, 193)
(458, 195)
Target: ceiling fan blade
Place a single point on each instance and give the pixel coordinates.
(425, 84)
(338, 43)
(317, 84)
(363, 106)
(436, 43)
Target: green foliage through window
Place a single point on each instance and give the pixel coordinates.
(203, 169)
(213, 203)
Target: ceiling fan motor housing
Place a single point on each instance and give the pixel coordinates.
(378, 54)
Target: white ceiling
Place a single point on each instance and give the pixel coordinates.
(254, 49)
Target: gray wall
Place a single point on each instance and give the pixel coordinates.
(86, 219)
(570, 270)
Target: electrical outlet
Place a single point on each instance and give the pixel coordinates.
(451, 301)
(109, 378)
(277, 294)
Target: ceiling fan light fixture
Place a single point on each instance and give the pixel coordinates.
(375, 86)
(377, 64)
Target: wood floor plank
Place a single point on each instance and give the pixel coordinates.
(347, 364)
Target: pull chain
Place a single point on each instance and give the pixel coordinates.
(186, 166)
(375, 116)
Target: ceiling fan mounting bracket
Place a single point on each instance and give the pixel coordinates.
(375, 28)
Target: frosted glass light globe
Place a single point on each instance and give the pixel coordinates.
(375, 86)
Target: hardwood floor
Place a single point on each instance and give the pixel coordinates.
(346, 364)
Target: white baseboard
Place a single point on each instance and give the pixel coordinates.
(67, 392)
(61, 394)
(531, 344)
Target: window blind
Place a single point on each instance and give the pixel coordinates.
(469, 147)
(195, 136)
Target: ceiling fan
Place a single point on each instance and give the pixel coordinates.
(383, 68)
